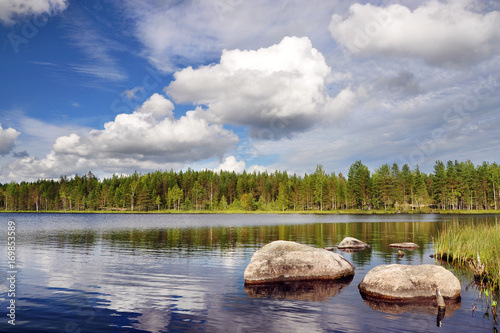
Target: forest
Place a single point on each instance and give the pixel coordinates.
(451, 186)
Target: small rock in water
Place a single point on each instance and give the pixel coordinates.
(405, 245)
(351, 243)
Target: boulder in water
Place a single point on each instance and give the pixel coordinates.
(282, 261)
(405, 282)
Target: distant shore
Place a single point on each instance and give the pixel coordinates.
(305, 212)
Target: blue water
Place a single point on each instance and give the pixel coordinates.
(183, 273)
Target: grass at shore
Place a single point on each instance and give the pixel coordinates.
(467, 212)
(463, 244)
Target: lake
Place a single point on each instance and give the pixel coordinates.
(184, 272)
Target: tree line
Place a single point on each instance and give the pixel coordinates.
(451, 186)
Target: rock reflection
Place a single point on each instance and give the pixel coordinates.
(440, 316)
(422, 306)
(352, 250)
(314, 291)
(426, 306)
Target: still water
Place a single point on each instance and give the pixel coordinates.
(182, 273)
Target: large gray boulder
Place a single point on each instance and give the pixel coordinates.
(282, 261)
(351, 243)
(406, 283)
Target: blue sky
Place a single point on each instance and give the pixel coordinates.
(124, 86)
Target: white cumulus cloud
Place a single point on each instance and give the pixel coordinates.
(260, 169)
(276, 91)
(158, 106)
(181, 33)
(10, 10)
(231, 164)
(7, 137)
(449, 33)
(149, 138)
(151, 132)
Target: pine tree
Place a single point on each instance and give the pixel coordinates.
(319, 177)
(421, 194)
(359, 185)
(439, 184)
(382, 185)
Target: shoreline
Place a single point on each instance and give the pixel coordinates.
(301, 212)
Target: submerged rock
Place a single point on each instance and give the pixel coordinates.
(351, 243)
(406, 283)
(405, 245)
(299, 290)
(282, 261)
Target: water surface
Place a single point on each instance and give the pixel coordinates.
(177, 273)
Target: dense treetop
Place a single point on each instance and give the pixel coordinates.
(454, 185)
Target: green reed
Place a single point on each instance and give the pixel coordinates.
(474, 246)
